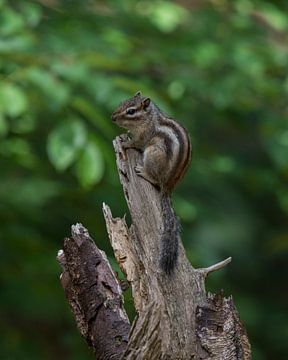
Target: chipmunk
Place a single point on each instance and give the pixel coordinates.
(166, 151)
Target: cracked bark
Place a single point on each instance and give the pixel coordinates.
(176, 318)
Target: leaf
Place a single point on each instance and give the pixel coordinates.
(90, 166)
(65, 142)
(275, 17)
(207, 54)
(167, 15)
(32, 13)
(13, 101)
(11, 22)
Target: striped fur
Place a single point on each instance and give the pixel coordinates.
(182, 151)
(166, 150)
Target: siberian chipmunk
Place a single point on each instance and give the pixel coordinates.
(166, 151)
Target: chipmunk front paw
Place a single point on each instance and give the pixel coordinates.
(139, 170)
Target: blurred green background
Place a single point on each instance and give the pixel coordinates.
(220, 68)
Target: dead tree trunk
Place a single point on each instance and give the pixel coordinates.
(176, 318)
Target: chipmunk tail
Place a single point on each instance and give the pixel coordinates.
(169, 236)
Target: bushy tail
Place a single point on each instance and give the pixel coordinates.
(169, 236)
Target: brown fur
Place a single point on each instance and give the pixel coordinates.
(166, 151)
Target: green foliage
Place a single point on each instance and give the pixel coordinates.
(65, 142)
(219, 67)
(90, 167)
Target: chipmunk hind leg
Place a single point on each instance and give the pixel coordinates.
(154, 166)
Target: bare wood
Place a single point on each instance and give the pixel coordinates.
(176, 319)
(215, 267)
(94, 295)
(174, 311)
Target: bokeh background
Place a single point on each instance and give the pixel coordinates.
(220, 68)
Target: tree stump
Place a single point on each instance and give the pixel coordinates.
(176, 318)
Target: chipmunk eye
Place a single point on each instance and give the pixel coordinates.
(130, 111)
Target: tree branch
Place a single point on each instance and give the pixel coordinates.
(215, 267)
(94, 295)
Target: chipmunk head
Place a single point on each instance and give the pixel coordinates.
(132, 112)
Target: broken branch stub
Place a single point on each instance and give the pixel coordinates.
(94, 295)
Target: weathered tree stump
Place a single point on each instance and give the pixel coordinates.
(176, 318)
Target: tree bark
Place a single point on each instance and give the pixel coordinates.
(176, 319)
(94, 295)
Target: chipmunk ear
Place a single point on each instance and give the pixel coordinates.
(146, 103)
(138, 93)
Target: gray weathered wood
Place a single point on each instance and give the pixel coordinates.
(176, 318)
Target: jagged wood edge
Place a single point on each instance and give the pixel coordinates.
(94, 295)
